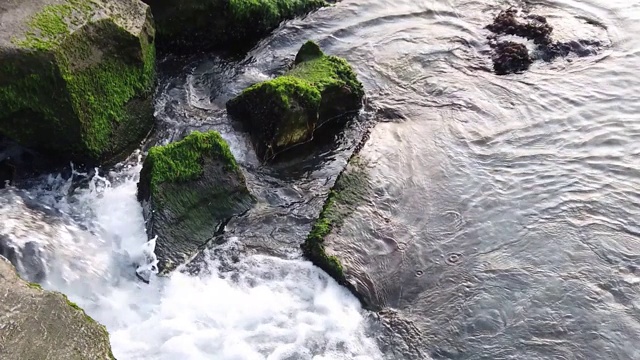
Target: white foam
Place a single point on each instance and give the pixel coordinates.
(268, 308)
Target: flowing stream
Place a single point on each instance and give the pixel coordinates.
(530, 181)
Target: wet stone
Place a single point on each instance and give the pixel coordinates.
(532, 27)
(510, 57)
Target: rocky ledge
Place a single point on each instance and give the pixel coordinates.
(287, 110)
(76, 76)
(38, 324)
(189, 190)
(188, 25)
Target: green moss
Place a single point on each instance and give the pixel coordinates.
(284, 88)
(99, 92)
(69, 90)
(267, 14)
(325, 71)
(51, 25)
(348, 193)
(313, 73)
(182, 161)
(236, 24)
(34, 285)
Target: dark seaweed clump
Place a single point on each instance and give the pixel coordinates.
(513, 57)
(532, 27)
(510, 57)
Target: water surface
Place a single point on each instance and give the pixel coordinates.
(502, 221)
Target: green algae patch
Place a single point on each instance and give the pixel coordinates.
(205, 24)
(183, 161)
(34, 285)
(286, 111)
(67, 83)
(189, 189)
(350, 191)
(49, 27)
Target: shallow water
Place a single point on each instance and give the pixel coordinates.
(504, 205)
(503, 216)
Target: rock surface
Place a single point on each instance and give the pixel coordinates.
(350, 190)
(76, 76)
(38, 324)
(189, 189)
(285, 111)
(204, 24)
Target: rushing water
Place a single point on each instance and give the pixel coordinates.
(262, 308)
(529, 180)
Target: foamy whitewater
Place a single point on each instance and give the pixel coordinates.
(265, 308)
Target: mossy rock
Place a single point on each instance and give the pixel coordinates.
(189, 189)
(76, 76)
(188, 25)
(39, 324)
(285, 111)
(350, 191)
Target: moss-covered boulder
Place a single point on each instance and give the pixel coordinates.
(189, 190)
(76, 76)
(38, 324)
(285, 111)
(206, 24)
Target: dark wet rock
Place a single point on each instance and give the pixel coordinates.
(284, 112)
(532, 27)
(18, 163)
(189, 190)
(38, 324)
(7, 173)
(199, 25)
(510, 57)
(76, 76)
(580, 48)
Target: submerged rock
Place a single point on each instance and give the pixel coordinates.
(38, 324)
(285, 111)
(76, 76)
(204, 24)
(189, 190)
(350, 190)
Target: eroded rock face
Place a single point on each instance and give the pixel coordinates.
(189, 189)
(285, 111)
(38, 324)
(199, 25)
(76, 76)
